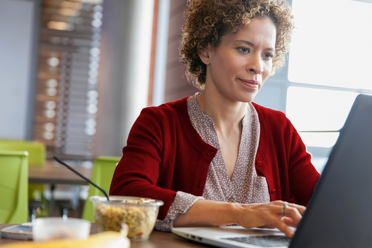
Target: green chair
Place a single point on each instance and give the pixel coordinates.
(13, 187)
(36, 157)
(103, 170)
(36, 150)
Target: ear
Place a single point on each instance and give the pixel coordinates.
(204, 54)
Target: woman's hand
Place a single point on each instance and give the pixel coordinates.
(279, 214)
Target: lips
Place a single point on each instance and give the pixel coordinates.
(250, 83)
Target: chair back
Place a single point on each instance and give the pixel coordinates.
(103, 170)
(13, 187)
(36, 157)
(36, 150)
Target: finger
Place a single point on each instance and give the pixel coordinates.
(283, 227)
(301, 209)
(292, 213)
(287, 231)
(279, 202)
(282, 206)
(289, 221)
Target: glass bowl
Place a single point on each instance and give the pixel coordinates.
(139, 214)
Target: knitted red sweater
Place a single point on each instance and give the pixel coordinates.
(164, 154)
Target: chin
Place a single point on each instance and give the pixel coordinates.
(245, 100)
(248, 98)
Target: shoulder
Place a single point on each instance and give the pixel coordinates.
(157, 121)
(273, 121)
(265, 113)
(176, 107)
(166, 111)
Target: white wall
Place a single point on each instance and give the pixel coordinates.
(17, 19)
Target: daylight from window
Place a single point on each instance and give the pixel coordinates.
(329, 65)
(331, 45)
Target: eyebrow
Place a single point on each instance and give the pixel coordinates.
(251, 44)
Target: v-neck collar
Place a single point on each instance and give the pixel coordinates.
(205, 127)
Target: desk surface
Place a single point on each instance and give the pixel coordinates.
(156, 240)
(53, 173)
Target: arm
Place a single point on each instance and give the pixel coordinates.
(160, 158)
(214, 213)
(283, 160)
(302, 174)
(181, 204)
(137, 173)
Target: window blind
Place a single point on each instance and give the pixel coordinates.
(66, 93)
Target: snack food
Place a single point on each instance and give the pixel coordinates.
(139, 214)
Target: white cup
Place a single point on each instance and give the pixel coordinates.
(44, 229)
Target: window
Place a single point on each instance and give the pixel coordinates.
(329, 64)
(66, 94)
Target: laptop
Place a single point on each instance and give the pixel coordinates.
(339, 213)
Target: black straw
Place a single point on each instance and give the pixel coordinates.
(80, 175)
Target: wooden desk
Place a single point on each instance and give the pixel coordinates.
(156, 240)
(54, 173)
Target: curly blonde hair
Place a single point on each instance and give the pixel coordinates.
(208, 20)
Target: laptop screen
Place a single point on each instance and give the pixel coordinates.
(339, 212)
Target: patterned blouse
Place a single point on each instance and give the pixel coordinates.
(244, 186)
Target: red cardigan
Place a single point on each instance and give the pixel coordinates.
(165, 154)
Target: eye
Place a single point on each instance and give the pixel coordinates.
(244, 50)
(268, 56)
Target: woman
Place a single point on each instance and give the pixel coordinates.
(217, 158)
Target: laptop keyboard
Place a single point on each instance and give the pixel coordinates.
(265, 241)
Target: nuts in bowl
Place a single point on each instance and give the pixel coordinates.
(139, 214)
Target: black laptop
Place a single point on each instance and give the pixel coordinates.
(339, 213)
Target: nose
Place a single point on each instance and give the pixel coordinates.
(255, 64)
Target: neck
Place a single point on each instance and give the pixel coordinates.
(227, 115)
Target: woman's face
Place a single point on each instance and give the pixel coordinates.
(241, 63)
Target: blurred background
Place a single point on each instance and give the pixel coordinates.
(75, 74)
